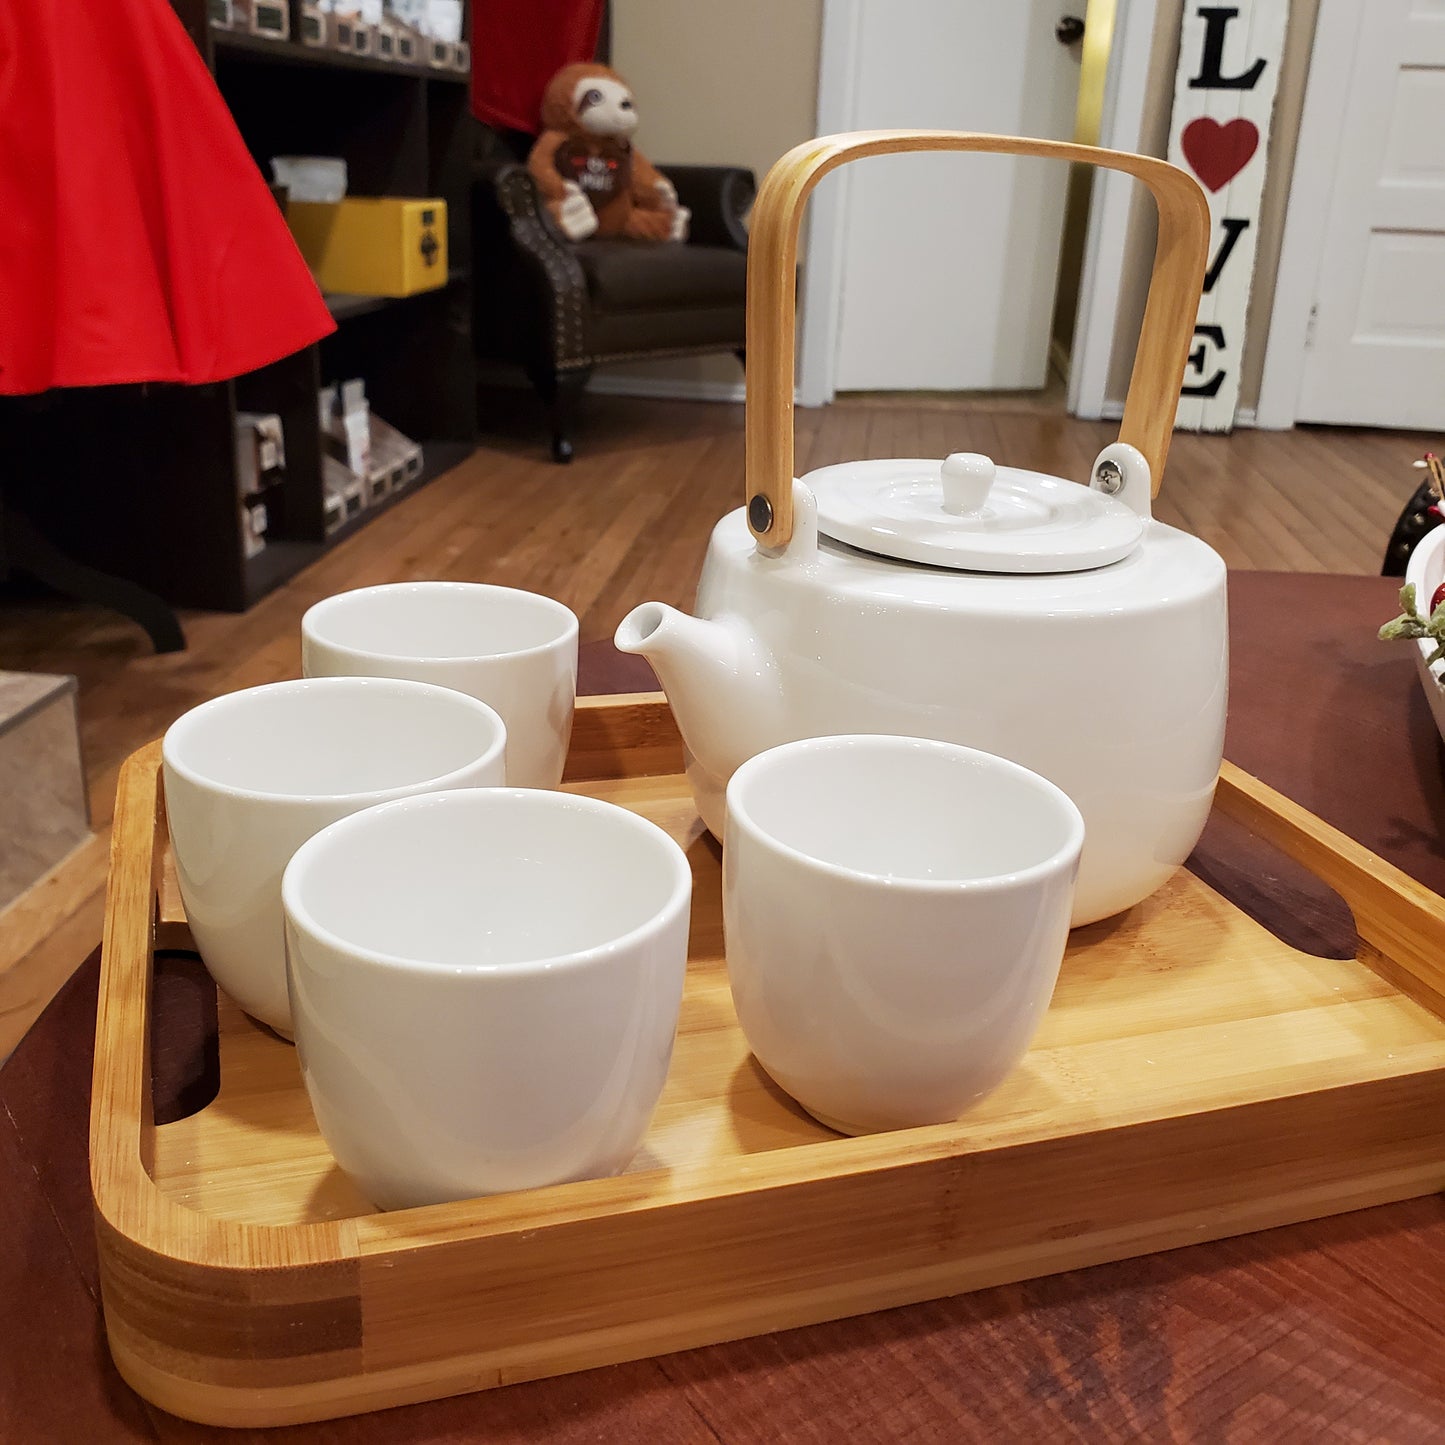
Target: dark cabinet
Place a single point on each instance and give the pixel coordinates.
(141, 481)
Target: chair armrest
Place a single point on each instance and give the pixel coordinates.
(718, 197)
(531, 225)
(547, 256)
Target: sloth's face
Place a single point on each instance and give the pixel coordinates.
(604, 107)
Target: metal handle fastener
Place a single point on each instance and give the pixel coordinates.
(1108, 477)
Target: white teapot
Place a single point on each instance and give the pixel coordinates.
(1054, 624)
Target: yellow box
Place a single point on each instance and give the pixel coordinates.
(379, 246)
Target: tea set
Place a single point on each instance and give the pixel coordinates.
(937, 712)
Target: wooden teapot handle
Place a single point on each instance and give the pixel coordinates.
(1169, 317)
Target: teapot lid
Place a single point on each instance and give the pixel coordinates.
(968, 514)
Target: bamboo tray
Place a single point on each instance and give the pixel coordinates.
(1195, 1078)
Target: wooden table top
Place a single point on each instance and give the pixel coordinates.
(1333, 1329)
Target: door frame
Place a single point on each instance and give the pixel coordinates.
(1302, 250)
(1101, 281)
(822, 298)
(1112, 199)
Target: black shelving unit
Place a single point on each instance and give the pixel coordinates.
(268, 51)
(141, 481)
(344, 306)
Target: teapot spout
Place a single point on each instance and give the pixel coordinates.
(720, 683)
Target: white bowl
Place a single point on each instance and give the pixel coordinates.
(251, 775)
(895, 912)
(485, 988)
(515, 651)
(1426, 570)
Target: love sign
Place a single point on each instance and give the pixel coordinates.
(1224, 94)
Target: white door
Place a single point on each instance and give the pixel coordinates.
(949, 263)
(1376, 349)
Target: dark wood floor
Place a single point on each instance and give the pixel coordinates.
(628, 521)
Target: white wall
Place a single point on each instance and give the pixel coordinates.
(727, 83)
(735, 82)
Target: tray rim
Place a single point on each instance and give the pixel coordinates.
(1366, 882)
(1400, 924)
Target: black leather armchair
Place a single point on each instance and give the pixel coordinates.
(559, 308)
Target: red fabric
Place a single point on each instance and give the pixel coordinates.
(138, 240)
(518, 46)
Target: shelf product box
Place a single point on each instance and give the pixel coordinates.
(345, 418)
(260, 451)
(311, 178)
(363, 38)
(312, 25)
(444, 26)
(373, 246)
(343, 493)
(365, 459)
(410, 24)
(353, 25)
(395, 460)
(271, 18)
(260, 468)
(254, 523)
(409, 43)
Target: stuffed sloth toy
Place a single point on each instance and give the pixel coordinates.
(594, 181)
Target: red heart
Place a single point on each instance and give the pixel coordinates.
(1217, 153)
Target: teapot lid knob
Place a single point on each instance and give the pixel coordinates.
(967, 479)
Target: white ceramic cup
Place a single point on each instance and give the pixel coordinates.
(515, 650)
(896, 912)
(252, 775)
(486, 988)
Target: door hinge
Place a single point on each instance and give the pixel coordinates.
(1310, 326)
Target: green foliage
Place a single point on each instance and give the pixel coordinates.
(1411, 624)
